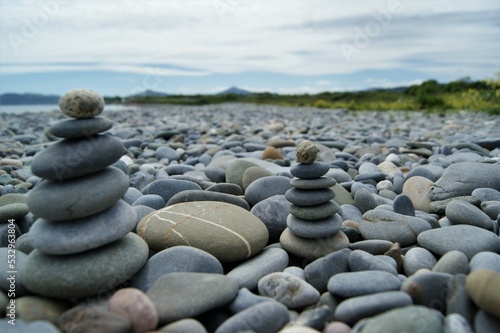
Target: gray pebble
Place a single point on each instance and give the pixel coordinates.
(362, 283)
(271, 317)
(485, 260)
(453, 262)
(273, 212)
(455, 323)
(418, 258)
(288, 289)
(461, 212)
(319, 272)
(364, 261)
(248, 273)
(353, 309)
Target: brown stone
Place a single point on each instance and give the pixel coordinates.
(136, 306)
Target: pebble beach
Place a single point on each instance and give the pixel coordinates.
(248, 218)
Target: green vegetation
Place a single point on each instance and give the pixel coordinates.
(430, 96)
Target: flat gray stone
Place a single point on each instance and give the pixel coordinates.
(465, 238)
(315, 212)
(77, 128)
(363, 261)
(462, 212)
(309, 171)
(85, 274)
(312, 248)
(309, 197)
(324, 227)
(65, 237)
(403, 320)
(260, 318)
(352, 284)
(351, 310)
(248, 273)
(462, 178)
(313, 184)
(71, 158)
(78, 197)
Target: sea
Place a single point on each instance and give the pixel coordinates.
(17, 109)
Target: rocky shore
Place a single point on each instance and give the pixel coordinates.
(248, 218)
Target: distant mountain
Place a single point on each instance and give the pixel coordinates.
(150, 93)
(27, 99)
(395, 89)
(236, 91)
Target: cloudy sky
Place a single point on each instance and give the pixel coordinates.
(120, 47)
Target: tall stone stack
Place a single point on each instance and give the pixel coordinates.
(313, 223)
(83, 226)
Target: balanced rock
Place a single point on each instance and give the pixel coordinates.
(81, 103)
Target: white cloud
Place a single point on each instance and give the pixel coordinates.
(300, 37)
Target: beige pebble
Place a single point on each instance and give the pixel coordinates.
(417, 188)
(483, 288)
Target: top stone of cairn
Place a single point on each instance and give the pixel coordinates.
(307, 152)
(81, 103)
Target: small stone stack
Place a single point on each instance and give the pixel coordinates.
(79, 207)
(313, 225)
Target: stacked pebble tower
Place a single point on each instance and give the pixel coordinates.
(313, 217)
(78, 203)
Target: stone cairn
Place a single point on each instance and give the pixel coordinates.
(313, 218)
(78, 202)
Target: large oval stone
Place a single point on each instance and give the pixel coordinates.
(78, 197)
(85, 274)
(72, 158)
(465, 238)
(228, 232)
(464, 177)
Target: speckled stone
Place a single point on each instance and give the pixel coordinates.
(306, 152)
(81, 103)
